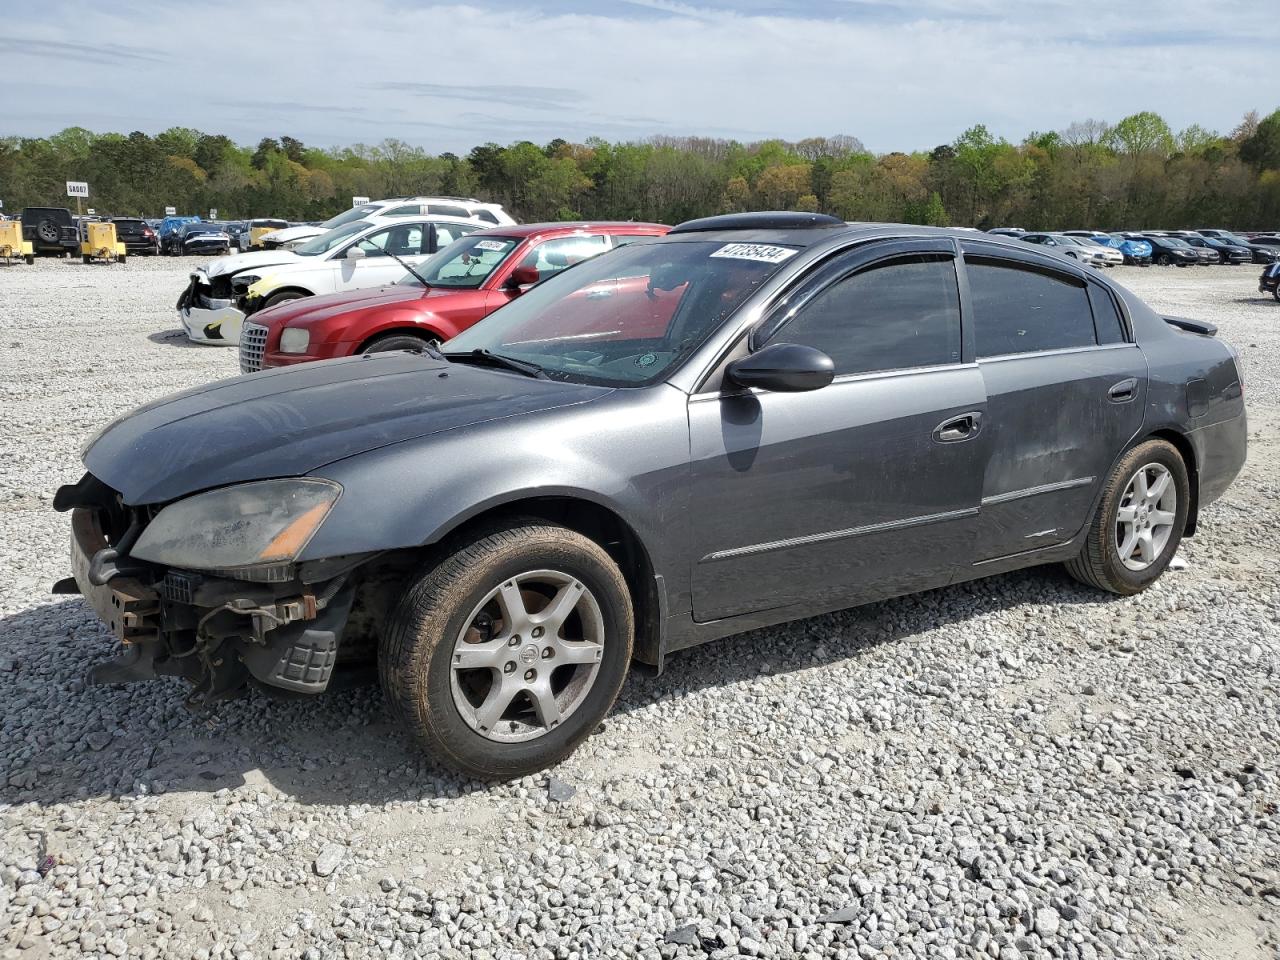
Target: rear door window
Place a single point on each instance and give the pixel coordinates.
(1020, 308)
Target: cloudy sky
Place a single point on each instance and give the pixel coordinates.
(898, 74)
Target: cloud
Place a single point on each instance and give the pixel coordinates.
(517, 95)
(898, 74)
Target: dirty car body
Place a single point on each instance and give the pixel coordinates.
(691, 407)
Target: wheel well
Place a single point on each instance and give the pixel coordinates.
(421, 333)
(298, 290)
(613, 534)
(1188, 453)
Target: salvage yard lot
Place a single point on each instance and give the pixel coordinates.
(1008, 768)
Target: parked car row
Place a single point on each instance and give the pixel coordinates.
(1182, 248)
(634, 440)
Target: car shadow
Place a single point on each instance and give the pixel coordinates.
(176, 338)
(66, 740)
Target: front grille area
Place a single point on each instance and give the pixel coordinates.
(253, 344)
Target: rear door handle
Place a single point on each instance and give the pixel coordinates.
(964, 427)
(1124, 391)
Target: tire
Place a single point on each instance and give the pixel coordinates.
(85, 258)
(284, 296)
(122, 258)
(48, 231)
(1163, 260)
(30, 258)
(1276, 293)
(398, 341)
(448, 603)
(1099, 563)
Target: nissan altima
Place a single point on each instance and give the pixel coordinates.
(756, 418)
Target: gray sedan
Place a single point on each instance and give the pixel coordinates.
(757, 418)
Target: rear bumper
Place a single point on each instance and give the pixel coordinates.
(1221, 449)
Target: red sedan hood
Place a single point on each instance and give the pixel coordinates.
(309, 310)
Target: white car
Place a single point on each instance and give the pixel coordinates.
(489, 215)
(220, 294)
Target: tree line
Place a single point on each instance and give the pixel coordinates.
(1136, 173)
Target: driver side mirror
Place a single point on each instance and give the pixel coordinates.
(523, 277)
(783, 368)
(355, 253)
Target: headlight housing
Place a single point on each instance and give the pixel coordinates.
(252, 531)
(244, 281)
(294, 340)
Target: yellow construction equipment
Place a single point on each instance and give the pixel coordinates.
(100, 243)
(256, 234)
(12, 246)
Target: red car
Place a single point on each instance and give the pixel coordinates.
(464, 283)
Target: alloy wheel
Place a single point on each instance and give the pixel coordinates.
(1146, 516)
(527, 656)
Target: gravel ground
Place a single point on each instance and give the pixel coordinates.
(1012, 768)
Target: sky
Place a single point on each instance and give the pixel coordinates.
(896, 74)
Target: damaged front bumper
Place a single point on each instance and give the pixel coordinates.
(206, 318)
(222, 635)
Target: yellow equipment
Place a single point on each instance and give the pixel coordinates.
(12, 246)
(256, 234)
(100, 243)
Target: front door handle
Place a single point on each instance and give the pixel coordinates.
(1124, 391)
(964, 427)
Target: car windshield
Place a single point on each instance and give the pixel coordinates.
(463, 264)
(1062, 238)
(327, 241)
(627, 317)
(352, 215)
(1175, 242)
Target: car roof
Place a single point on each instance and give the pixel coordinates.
(524, 230)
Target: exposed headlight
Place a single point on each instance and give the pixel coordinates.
(239, 530)
(294, 340)
(244, 281)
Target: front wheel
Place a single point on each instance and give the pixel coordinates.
(1163, 260)
(503, 656)
(284, 296)
(1139, 521)
(399, 341)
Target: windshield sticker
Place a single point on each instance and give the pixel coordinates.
(494, 245)
(763, 252)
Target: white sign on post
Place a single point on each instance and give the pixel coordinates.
(170, 211)
(213, 213)
(91, 212)
(77, 188)
(358, 201)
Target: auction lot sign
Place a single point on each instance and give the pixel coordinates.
(77, 188)
(170, 211)
(358, 201)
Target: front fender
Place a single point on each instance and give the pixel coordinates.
(396, 320)
(627, 452)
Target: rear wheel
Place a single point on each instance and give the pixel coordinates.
(505, 655)
(1139, 521)
(399, 341)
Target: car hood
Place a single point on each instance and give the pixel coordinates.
(290, 234)
(243, 261)
(310, 310)
(293, 421)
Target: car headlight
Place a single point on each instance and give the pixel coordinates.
(244, 281)
(294, 340)
(250, 530)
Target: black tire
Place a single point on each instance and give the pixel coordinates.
(415, 652)
(1163, 260)
(1099, 564)
(284, 296)
(30, 258)
(85, 258)
(122, 258)
(398, 341)
(47, 230)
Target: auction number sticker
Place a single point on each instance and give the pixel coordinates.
(494, 245)
(763, 252)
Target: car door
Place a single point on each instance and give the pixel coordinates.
(865, 488)
(1065, 390)
(411, 242)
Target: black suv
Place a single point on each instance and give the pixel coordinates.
(136, 235)
(50, 230)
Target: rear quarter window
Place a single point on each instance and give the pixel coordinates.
(1107, 323)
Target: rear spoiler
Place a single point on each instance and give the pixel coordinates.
(1202, 327)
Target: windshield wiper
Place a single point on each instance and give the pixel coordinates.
(485, 355)
(421, 278)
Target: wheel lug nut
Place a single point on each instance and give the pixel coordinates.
(531, 675)
(537, 632)
(510, 667)
(548, 653)
(514, 641)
